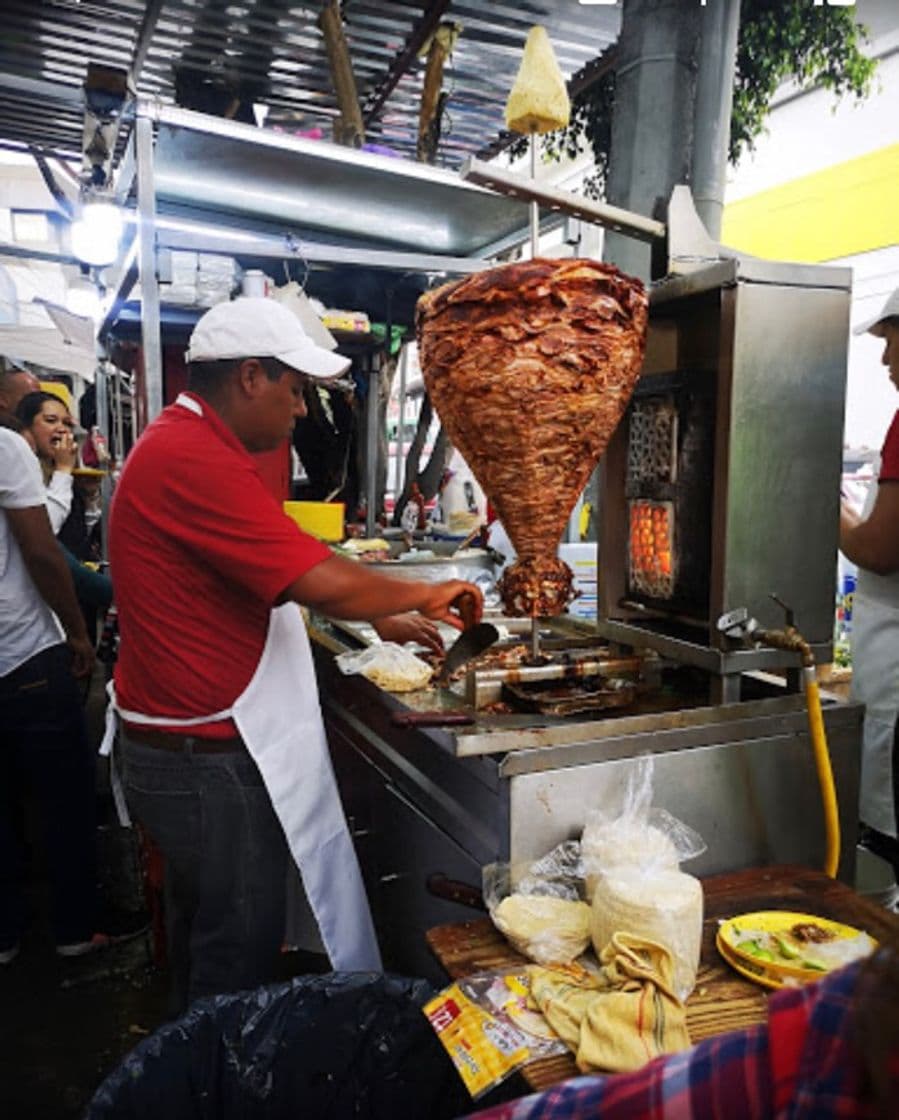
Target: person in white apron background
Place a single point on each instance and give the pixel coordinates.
(223, 749)
(870, 539)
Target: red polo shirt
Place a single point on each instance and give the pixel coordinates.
(199, 551)
(889, 455)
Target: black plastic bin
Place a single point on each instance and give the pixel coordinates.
(315, 1048)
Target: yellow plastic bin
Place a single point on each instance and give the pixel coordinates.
(322, 519)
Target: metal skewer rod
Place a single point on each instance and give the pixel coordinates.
(535, 639)
(534, 252)
(535, 236)
(534, 207)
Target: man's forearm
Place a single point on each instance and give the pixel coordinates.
(53, 580)
(345, 589)
(47, 566)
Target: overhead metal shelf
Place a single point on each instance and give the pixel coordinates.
(365, 225)
(209, 163)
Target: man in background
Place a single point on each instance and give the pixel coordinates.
(870, 539)
(43, 741)
(15, 383)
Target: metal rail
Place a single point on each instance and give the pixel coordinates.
(599, 213)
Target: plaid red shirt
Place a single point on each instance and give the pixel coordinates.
(800, 1065)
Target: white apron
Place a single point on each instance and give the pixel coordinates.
(279, 719)
(875, 683)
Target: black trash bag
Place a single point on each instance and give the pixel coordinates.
(315, 1048)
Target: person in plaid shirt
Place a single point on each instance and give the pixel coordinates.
(828, 1050)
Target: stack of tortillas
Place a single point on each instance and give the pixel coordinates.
(539, 100)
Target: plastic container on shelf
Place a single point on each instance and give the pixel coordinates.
(322, 519)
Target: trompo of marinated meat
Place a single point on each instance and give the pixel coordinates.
(531, 366)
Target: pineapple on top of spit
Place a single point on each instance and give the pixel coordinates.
(530, 367)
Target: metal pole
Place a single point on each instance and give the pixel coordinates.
(401, 431)
(712, 111)
(149, 281)
(119, 419)
(371, 446)
(102, 384)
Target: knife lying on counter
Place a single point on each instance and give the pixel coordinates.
(432, 719)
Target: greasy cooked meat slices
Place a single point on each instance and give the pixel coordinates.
(530, 366)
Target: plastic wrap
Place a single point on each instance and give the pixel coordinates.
(631, 854)
(538, 906)
(488, 1030)
(633, 833)
(389, 666)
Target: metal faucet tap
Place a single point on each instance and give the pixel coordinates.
(738, 625)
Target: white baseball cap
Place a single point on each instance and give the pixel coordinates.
(257, 327)
(874, 326)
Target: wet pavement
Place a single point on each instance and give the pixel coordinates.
(67, 1023)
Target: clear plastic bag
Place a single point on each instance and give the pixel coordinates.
(389, 666)
(631, 856)
(633, 833)
(538, 906)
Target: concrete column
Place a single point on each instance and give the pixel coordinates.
(652, 125)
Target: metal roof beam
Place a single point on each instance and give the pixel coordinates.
(144, 38)
(426, 26)
(44, 91)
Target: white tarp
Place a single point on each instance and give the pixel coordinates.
(46, 346)
(37, 339)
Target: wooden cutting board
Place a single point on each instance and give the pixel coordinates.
(722, 1000)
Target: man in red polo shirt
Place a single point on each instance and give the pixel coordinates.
(222, 739)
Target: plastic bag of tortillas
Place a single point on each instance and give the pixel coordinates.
(389, 666)
(631, 855)
(538, 906)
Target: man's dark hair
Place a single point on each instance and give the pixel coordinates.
(208, 377)
(32, 403)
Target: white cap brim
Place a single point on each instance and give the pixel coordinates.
(315, 361)
(872, 326)
(875, 326)
(312, 360)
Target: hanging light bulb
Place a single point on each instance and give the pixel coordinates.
(97, 233)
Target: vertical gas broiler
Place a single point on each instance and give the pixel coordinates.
(720, 489)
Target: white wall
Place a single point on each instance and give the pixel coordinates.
(809, 132)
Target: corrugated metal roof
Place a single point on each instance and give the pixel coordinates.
(273, 52)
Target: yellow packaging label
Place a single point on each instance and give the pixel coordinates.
(483, 1049)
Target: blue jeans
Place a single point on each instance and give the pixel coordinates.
(225, 864)
(44, 751)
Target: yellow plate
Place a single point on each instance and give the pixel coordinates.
(88, 472)
(774, 974)
(751, 969)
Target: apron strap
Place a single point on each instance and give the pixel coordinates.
(110, 737)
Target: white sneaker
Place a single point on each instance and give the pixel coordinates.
(7, 955)
(82, 948)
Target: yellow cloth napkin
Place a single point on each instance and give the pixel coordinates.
(620, 1017)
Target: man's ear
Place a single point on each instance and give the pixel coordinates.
(250, 376)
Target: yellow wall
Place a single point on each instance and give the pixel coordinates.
(850, 208)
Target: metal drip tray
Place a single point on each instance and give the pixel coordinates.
(567, 698)
(483, 685)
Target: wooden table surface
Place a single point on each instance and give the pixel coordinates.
(722, 1000)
